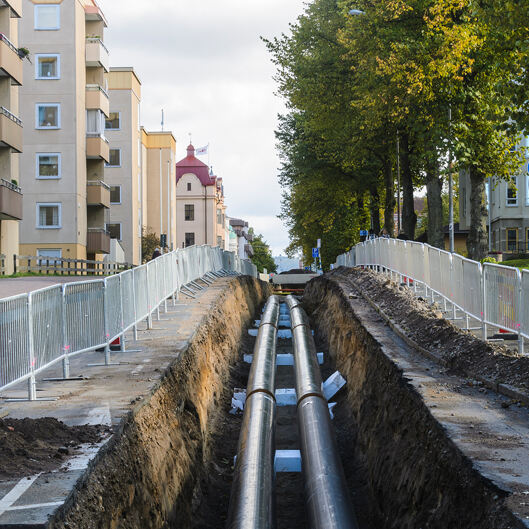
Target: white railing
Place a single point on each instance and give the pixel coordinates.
(50, 325)
(489, 293)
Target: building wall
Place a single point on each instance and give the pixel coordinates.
(125, 97)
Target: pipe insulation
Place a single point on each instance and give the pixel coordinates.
(252, 504)
(326, 496)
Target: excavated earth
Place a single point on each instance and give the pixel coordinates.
(417, 475)
(155, 470)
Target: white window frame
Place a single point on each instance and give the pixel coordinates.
(507, 187)
(119, 114)
(108, 164)
(120, 229)
(527, 188)
(49, 204)
(40, 55)
(119, 197)
(43, 259)
(37, 107)
(36, 12)
(37, 166)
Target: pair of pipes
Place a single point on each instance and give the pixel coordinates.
(252, 505)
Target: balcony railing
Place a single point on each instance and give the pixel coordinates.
(11, 116)
(10, 185)
(97, 240)
(10, 201)
(3, 38)
(15, 5)
(96, 53)
(96, 88)
(97, 40)
(98, 194)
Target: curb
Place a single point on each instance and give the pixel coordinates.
(497, 387)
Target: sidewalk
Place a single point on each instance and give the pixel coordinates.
(20, 285)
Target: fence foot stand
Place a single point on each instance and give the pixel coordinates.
(158, 313)
(32, 393)
(520, 345)
(65, 373)
(484, 331)
(107, 359)
(165, 305)
(135, 332)
(149, 322)
(123, 347)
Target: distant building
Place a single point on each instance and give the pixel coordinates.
(200, 208)
(284, 263)
(244, 238)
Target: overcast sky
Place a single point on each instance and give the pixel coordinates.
(204, 64)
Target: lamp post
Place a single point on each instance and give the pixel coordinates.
(450, 183)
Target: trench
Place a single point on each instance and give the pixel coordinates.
(171, 463)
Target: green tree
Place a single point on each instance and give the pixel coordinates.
(262, 256)
(149, 242)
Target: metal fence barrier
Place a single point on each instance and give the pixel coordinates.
(489, 293)
(52, 324)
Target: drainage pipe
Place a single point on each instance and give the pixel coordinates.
(326, 496)
(252, 504)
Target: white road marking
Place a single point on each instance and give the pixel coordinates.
(99, 416)
(35, 506)
(15, 493)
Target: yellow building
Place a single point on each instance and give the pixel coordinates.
(158, 195)
(64, 105)
(10, 132)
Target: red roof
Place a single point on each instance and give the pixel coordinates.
(191, 164)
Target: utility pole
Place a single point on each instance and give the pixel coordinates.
(450, 184)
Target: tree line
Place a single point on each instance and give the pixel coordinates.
(437, 80)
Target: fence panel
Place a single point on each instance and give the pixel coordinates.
(127, 299)
(113, 308)
(525, 308)
(14, 339)
(140, 292)
(84, 314)
(48, 325)
(501, 303)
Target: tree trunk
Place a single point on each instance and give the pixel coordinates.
(389, 205)
(374, 209)
(477, 242)
(435, 205)
(409, 217)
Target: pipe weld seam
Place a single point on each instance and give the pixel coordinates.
(313, 394)
(274, 325)
(261, 390)
(301, 325)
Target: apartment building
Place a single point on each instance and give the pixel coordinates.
(508, 209)
(11, 133)
(64, 105)
(200, 208)
(158, 204)
(123, 171)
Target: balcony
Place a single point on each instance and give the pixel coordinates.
(10, 130)
(10, 201)
(97, 146)
(14, 5)
(97, 99)
(97, 241)
(96, 54)
(98, 194)
(10, 61)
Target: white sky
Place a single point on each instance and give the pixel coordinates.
(204, 64)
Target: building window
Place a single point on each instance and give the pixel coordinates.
(48, 165)
(190, 239)
(189, 186)
(512, 192)
(49, 216)
(113, 122)
(189, 213)
(512, 239)
(114, 229)
(95, 122)
(50, 256)
(219, 240)
(114, 159)
(219, 216)
(48, 115)
(47, 17)
(115, 194)
(48, 67)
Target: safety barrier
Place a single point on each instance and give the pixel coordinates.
(490, 293)
(41, 328)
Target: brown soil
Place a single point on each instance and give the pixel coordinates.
(458, 349)
(415, 476)
(30, 446)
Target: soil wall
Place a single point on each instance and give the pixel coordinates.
(417, 476)
(149, 474)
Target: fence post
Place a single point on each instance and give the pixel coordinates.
(484, 303)
(14, 264)
(32, 384)
(520, 318)
(135, 326)
(149, 315)
(65, 346)
(105, 318)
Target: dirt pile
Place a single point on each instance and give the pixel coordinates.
(458, 349)
(416, 476)
(30, 446)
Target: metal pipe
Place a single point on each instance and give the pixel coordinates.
(252, 504)
(326, 495)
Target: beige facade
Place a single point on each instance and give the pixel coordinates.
(158, 198)
(11, 68)
(124, 174)
(64, 106)
(200, 209)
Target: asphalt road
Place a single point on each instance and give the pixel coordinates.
(20, 285)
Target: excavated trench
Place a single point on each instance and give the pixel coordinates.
(170, 465)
